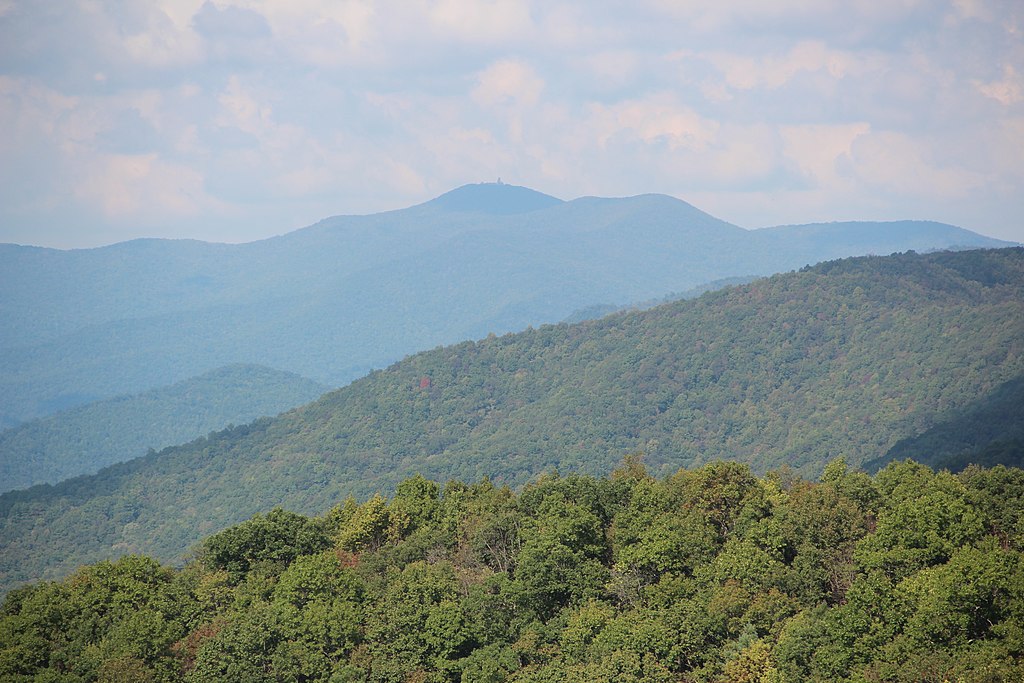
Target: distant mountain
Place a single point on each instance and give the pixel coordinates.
(492, 198)
(84, 439)
(601, 310)
(352, 293)
(842, 359)
(988, 432)
(825, 241)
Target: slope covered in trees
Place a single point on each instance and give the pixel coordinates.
(845, 358)
(710, 575)
(600, 310)
(352, 293)
(84, 439)
(987, 432)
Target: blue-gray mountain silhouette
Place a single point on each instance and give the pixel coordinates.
(352, 293)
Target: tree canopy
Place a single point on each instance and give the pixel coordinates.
(709, 575)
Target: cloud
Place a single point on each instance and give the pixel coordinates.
(327, 34)
(895, 163)
(233, 34)
(130, 186)
(508, 82)
(795, 18)
(482, 21)
(774, 71)
(240, 109)
(818, 150)
(1006, 91)
(657, 121)
(250, 117)
(972, 9)
(611, 70)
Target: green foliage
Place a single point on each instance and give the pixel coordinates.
(998, 494)
(417, 624)
(277, 537)
(114, 621)
(926, 518)
(367, 526)
(707, 575)
(842, 358)
(988, 432)
(84, 439)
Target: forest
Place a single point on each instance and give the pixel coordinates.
(710, 574)
(86, 438)
(846, 358)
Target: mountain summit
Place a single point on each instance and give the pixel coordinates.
(332, 301)
(493, 198)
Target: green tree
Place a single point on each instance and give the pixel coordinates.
(277, 538)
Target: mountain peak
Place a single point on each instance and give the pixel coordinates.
(492, 198)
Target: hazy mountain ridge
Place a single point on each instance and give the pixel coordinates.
(601, 310)
(492, 198)
(845, 358)
(86, 438)
(351, 293)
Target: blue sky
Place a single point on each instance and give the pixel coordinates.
(234, 121)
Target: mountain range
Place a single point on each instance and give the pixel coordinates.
(353, 293)
(83, 439)
(845, 358)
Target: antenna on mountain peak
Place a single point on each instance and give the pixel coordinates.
(499, 181)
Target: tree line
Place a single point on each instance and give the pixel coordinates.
(710, 574)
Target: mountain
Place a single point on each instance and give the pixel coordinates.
(988, 432)
(601, 310)
(842, 359)
(825, 241)
(352, 293)
(84, 439)
(492, 198)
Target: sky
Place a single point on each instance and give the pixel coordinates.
(233, 121)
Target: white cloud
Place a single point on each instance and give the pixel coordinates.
(180, 12)
(256, 115)
(817, 149)
(659, 120)
(158, 36)
(508, 82)
(326, 33)
(972, 9)
(240, 109)
(895, 163)
(1006, 91)
(29, 108)
(609, 69)
(133, 186)
(744, 72)
(803, 16)
(482, 21)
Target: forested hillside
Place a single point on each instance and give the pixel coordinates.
(601, 310)
(989, 431)
(705, 576)
(84, 439)
(845, 358)
(352, 293)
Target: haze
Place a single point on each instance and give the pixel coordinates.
(236, 121)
